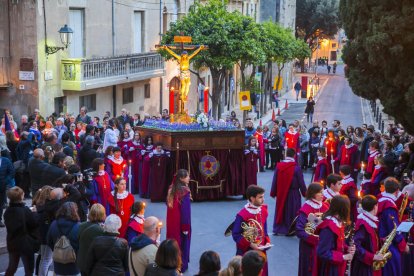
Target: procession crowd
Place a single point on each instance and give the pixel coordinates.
(82, 173)
(81, 176)
(362, 190)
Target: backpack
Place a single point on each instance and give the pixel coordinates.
(63, 251)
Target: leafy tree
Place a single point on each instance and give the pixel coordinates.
(227, 35)
(380, 54)
(316, 19)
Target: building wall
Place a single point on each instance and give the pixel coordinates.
(17, 41)
(97, 43)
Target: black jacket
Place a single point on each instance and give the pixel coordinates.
(51, 173)
(155, 270)
(36, 168)
(108, 255)
(86, 155)
(22, 227)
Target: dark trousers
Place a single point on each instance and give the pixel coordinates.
(23, 181)
(305, 156)
(267, 158)
(28, 263)
(275, 157)
(3, 201)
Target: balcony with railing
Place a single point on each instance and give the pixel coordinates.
(80, 74)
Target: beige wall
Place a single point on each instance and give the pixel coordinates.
(98, 43)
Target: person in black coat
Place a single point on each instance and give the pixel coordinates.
(309, 110)
(6, 179)
(21, 224)
(108, 254)
(55, 170)
(36, 168)
(24, 151)
(87, 153)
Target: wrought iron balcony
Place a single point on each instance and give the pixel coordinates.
(82, 74)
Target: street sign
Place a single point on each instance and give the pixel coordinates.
(245, 103)
(258, 76)
(26, 75)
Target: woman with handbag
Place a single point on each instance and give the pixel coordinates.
(21, 224)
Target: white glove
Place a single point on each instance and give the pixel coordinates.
(332, 161)
(151, 154)
(246, 151)
(142, 152)
(131, 149)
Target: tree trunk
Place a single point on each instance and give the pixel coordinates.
(217, 76)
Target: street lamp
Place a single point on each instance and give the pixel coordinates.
(65, 37)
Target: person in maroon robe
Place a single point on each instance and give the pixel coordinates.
(331, 256)
(307, 245)
(366, 239)
(254, 211)
(388, 215)
(378, 175)
(373, 151)
(121, 202)
(136, 162)
(331, 148)
(251, 155)
(146, 166)
(333, 187)
(348, 154)
(349, 189)
(160, 160)
(179, 215)
(261, 147)
(102, 184)
(125, 144)
(322, 167)
(288, 185)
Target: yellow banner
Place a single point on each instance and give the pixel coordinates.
(244, 99)
(280, 84)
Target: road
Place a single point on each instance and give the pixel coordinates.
(210, 219)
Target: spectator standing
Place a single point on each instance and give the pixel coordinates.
(83, 117)
(24, 124)
(12, 143)
(66, 223)
(297, 88)
(4, 150)
(6, 180)
(111, 138)
(88, 231)
(209, 264)
(108, 254)
(144, 247)
(124, 118)
(55, 170)
(253, 263)
(21, 224)
(310, 109)
(87, 153)
(36, 168)
(233, 268)
(167, 260)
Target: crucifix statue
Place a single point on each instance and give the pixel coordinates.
(184, 61)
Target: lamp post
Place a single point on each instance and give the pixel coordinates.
(65, 37)
(317, 50)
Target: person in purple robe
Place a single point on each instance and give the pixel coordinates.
(102, 184)
(251, 155)
(288, 185)
(146, 165)
(366, 239)
(307, 245)
(332, 254)
(157, 185)
(179, 215)
(254, 211)
(136, 162)
(388, 216)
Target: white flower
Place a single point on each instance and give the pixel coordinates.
(205, 125)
